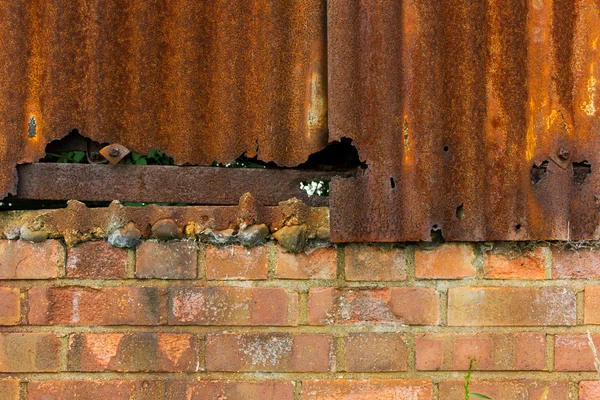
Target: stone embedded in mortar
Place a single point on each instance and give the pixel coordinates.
(253, 235)
(166, 229)
(125, 237)
(323, 233)
(33, 232)
(292, 238)
(219, 237)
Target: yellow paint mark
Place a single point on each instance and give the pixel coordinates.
(545, 394)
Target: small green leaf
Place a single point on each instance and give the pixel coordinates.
(141, 161)
(480, 396)
(78, 156)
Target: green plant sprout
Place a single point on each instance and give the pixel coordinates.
(468, 394)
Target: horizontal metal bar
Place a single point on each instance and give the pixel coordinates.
(165, 184)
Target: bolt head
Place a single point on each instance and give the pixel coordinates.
(114, 152)
(563, 153)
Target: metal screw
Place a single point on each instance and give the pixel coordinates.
(114, 151)
(563, 153)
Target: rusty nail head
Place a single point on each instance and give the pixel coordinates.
(114, 151)
(563, 153)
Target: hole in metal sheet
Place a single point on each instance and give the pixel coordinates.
(32, 127)
(392, 183)
(337, 155)
(436, 234)
(460, 211)
(518, 227)
(538, 171)
(581, 171)
(446, 148)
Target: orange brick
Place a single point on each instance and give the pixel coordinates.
(166, 260)
(402, 305)
(29, 352)
(506, 389)
(373, 263)
(94, 306)
(9, 389)
(375, 352)
(589, 390)
(377, 389)
(531, 265)
(573, 352)
(576, 264)
(94, 390)
(493, 351)
(448, 261)
(133, 352)
(592, 305)
(24, 260)
(236, 262)
(229, 390)
(96, 260)
(511, 306)
(10, 306)
(276, 352)
(318, 263)
(232, 306)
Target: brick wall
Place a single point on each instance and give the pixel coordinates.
(189, 320)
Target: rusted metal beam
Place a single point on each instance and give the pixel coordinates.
(165, 184)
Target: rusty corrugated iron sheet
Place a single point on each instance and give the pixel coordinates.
(199, 80)
(477, 118)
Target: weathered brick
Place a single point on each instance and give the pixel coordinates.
(318, 263)
(577, 264)
(373, 263)
(573, 352)
(591, 313)
(166, 260)
(232, 306)
(10, 306)
(236, 262)
(9, 389)
(94, 306)
(493, 351)
(25, 260)
(511, 306)
(94, 390)
(229, 390)
(589, 390)
(29, 352)
(402, 305)
(133, 352)
(506, 389)
(530, 265)
(96, 260)
(448, 261)
(277, 352)
(376, 389)
(375, 352)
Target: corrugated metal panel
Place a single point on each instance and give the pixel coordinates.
(456, 101)
(199, 80)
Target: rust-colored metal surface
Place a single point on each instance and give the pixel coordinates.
(477, 118)
(201, 80)
(166, 184)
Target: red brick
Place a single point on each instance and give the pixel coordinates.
(573, 352)
(579, 264)
(373, 263)
(377, 389)
(94, 306)
(511, 306)
(318, 263)
(170, 260)
(375, 352)
(133, 352)
(592, 305)
(589, 390)
(530, 265)
(493, 351)
(94, 390)
(232, 306)
(506, 390)
(229, 390)
(236, 262)
(448, 261)
(9, 389)
(402, 305)
(24, 260)
(96, 260)
(277, 352)
(29, 352)
(10, 306)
